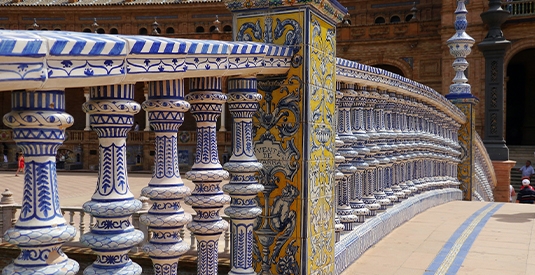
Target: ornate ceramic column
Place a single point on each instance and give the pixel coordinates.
(39, 121)
(369, 173)
(111, 111)
(165, 107)
(460, 45)
(207, 173)
(344, 210)
(243, 187)
(408, 145)
(359, 131)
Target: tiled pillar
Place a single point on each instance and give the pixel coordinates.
(243, 187)
(369, 173)
(359, 131)
(38, 120)
(344, 210)
(165, 107)
(207, 198)
(111, 110)
(294, 135)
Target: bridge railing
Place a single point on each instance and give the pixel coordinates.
(484, 177)
(400, 144)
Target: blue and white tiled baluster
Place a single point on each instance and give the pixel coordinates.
(243, 187)
(338, 159)
(386, 150)
(400, 143)
(111, 111)
(376, 147)
(393, 142)
(369, 173)
(39, 121)
(408, 137)
(344, 131)
(165, 106)
(207, 198)
(359, 131)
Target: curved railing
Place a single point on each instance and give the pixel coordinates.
(401, 149)
(484, 175)
(396, 139)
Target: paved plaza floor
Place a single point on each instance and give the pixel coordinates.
(457, 238)
(454, 238)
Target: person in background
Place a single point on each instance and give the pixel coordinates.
(21, 164)
(526, 193)
(527, 171)
(136, 128)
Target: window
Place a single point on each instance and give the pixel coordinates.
(408, 18)
(395, 19)
(169, 30)
(199, 29)
(114, 31)
(380, 20)
(227, 28)
(57, 29)
(143, 31)
(212, 28)
(101, 30)
(86, 30)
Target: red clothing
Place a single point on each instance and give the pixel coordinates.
(21, 162)
(529, 186)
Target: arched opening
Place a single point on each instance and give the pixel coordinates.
(380, 20)
(57, 29)
(114, 31)
(169, 30)
(143, 31)
(212, 28)
(395, 19)
(520, 129)
(227, 28)
(390, 68)
(199, 29)
(408, 17)
(86, 30)
(101, 30)
(44, 29)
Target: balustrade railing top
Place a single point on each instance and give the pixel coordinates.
(352, 72)
(53, 59)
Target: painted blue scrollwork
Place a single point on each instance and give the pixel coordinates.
(294, 36)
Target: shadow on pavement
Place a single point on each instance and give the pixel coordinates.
(515, 218)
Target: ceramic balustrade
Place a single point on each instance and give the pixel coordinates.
(359, 131)
(38, 120)
(243, 187)
(347, 217)
(111, 111)
(165, 107)
(207, 198)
